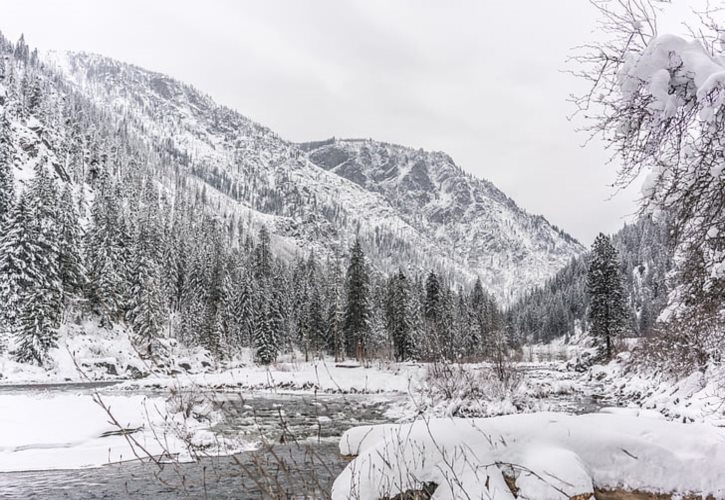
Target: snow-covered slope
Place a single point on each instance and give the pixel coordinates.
(478, 224)
(411, 208)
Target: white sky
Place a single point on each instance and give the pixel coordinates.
(480, 80)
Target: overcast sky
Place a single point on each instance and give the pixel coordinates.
(480, 80)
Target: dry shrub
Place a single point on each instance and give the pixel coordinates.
(683, 346)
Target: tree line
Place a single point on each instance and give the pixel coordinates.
(97, 232)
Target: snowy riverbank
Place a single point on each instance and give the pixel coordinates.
(41, 430)
(542, 455)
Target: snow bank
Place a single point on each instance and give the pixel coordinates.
(88, 352)
(550, 455)
(313, 376)
(66, 431)
(697, 397)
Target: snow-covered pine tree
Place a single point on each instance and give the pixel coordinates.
(607, 310)
(244, 310)
(263, 255)
(7, 191)
(264, 341)
(44, 209)
(398, 316)
(22, 51)
(70, 265)
(475, 339)
(446, 324)
(37, 325)
(103, 257)
(146, 311)
(317, 327)
(230, 329)
(335, 312)
(18, 265)
(463, 326)
(432, 312)
(29, 313)
(418, 342)
(357, 309)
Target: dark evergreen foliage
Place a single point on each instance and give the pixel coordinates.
(356, 324)
(607, 310)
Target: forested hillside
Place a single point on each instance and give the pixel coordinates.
(559, 307)
(130, 199)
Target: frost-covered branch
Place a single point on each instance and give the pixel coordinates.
(657, 101)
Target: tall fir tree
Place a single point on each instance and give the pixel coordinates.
(104, 259)
(44, 207)
(263, 255)
(29, 313)
(7, 190)
(357, 309)
(70, 260)
(607, 310)
(264, 336)
(19, 253)
(398, 316)
(432, 311)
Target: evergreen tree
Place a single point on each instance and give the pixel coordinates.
(7, 192)
(357, 309)
(398, 316)
(244, 311)
(44, 207)
(29, 307)
(263, 255)
(19, 269)
(432, 298)
(70, 265)
(22, 51)
(316, 323)
(607, 311)
(104, 260)
(37, 327)
(146, 310)
(432, 311)
(264, 341)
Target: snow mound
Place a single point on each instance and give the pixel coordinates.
(549, 455)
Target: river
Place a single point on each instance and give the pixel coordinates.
(299, 457)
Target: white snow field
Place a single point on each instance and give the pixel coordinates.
(69, 430)
(550, 455)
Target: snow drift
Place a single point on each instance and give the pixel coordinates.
(550, 456)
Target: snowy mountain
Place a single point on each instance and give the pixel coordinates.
(411, 208)
(473, 220)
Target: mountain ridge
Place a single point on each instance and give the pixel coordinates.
(309, 205)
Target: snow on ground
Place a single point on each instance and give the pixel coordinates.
(554, 456)
(88, 352)
(699, 397)
(69, 430)
(323, 375)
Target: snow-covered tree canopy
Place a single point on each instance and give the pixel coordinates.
(658, 100)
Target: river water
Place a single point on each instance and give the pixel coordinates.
(298, 457)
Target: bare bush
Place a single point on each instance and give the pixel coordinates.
(681, 347)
